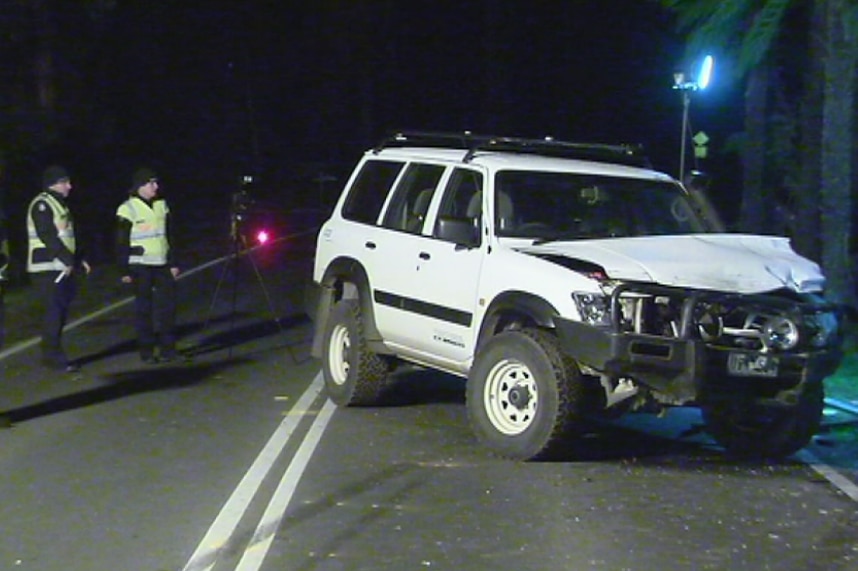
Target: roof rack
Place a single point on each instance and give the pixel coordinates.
(631, 155)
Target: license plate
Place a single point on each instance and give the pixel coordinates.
(750, 365)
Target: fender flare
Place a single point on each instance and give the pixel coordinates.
(515, 303)
(339, 271)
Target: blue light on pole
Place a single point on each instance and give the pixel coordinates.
(705, 72)
(704, 76)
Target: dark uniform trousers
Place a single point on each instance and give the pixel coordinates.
(155, 305)
(56, 298)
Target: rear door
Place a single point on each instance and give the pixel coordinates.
(392, 254)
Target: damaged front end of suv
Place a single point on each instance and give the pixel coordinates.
(753, 361)
(673, 311)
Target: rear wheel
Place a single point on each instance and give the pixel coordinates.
(353, 374)
(525, 399)
(756, 431)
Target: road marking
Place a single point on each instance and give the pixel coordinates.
(18, 347)
(273, 516)
(217, 538)
(836, 479)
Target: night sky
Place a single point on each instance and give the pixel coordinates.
(243, 85)
(207, 91)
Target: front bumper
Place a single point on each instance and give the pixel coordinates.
(685, 368)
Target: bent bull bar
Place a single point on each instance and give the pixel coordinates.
(678, 366)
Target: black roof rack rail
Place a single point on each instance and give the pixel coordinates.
(631, 155)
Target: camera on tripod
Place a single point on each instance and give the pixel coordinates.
(243, 208)
(241, 202)
(242, 199)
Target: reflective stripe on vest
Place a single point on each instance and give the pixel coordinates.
(148, 239)
(65, 232)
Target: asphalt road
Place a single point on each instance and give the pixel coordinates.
(234, 460)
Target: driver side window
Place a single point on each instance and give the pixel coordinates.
(460, 214)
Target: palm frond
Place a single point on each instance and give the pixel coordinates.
(690, 13)
(764, 29)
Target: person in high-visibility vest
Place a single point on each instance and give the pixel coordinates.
(52, 259)
(146, 261)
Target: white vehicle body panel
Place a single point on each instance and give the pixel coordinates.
(722, 262)
(439, 279)
(556, 283)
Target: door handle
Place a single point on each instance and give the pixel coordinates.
(424, 255)
(370, 245)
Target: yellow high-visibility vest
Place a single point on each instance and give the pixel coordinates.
(148, 240)
(37, 250)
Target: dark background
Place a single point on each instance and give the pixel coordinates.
(205, 92)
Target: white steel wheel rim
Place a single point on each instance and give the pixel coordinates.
(338, 354)
(506, 380)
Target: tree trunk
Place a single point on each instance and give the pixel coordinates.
(806, 239)
(836, 167)
(753, 209)
(44, 71)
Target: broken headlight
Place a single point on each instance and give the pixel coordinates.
(594, 308)
(780, 333)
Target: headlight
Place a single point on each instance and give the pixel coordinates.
(593, 308)
(780, 333)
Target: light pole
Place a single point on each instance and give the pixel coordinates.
(685, 88)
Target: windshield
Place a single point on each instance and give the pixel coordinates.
(557, 205)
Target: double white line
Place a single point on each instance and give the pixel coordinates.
(220, 535)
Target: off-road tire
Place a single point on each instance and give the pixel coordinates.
(353, 374)
(747, 430)
(528, 368)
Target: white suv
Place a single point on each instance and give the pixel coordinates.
(565, 281)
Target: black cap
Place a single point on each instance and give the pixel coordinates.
(142, 176)
(54, 174)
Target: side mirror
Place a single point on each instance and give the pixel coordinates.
(461, 231)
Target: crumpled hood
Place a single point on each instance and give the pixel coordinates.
(722, 262)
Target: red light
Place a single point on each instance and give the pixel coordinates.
(262, 237)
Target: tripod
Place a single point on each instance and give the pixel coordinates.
(239, 248)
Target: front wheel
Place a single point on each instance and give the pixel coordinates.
(354, 375)
(763, 431)
(525, 399)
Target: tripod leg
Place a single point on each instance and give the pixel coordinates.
(264, 291)
(231, 263)
(230, 260)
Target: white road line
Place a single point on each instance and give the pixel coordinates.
(837, 479)
(18, 347)
(217, 538)
(273, 516)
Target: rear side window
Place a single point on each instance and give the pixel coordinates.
(369, 190)
(409, 205)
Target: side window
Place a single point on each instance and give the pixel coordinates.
(412, 196)
(461, 207)
(369, 190)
